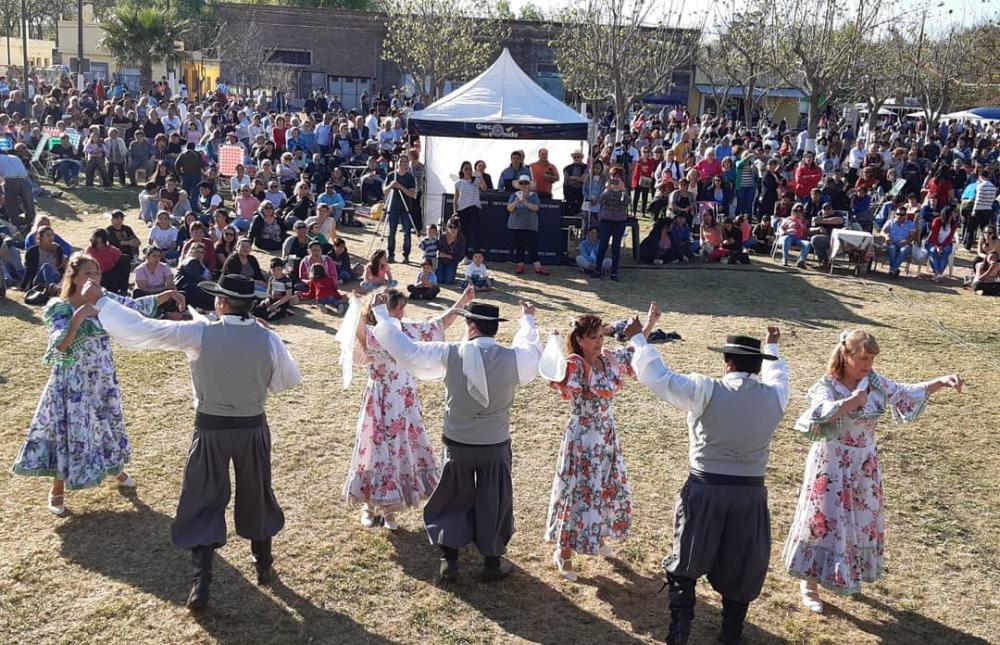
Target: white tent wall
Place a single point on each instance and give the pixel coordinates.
(443, 156)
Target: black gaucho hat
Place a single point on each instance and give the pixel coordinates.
(481, 311)
(743, 345)
(231, 285)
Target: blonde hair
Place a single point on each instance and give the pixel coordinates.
(76, 263)
(852, 343)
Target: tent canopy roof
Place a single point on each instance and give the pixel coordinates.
(502, 102)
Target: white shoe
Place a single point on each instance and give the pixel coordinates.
(367, 517)
(389, 521)
(657, 262)
(810, 598)
(128, 482)
(54, 508)
(565, 566)
(606, 551)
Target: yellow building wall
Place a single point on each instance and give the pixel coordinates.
(40, 53)
(93, 34)
(201, 76)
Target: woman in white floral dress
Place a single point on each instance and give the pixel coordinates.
(591, 500)
(393, 465)
(837, 539)
(77, 435)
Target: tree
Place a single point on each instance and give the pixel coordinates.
(883, 72)
(817, 45)
(744, 52)
(141, 36)
(623, 50)
(531, 11)
(712, 63)
(436, 41)
(938, 69)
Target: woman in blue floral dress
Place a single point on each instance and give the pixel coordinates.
(837, 539)
(591, 500)
(77, 435)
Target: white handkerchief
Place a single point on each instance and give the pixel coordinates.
(475, 373)
(347, 337)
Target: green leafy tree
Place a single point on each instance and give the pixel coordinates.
(436, 41)
(623, 50)
(140, 36)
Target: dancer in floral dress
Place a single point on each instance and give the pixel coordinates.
(77, 435)
(838, 536)
(591, 501)
(393, 465)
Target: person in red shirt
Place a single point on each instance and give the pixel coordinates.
(545, 174)
(807, 176)
(323, 289)
(709, 167)
(940, 186)
(115, 267)
(642, 179)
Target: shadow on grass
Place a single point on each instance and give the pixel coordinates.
(134, 548)
(906, 627)
(639, 601)
(522, 605)
(13, 306)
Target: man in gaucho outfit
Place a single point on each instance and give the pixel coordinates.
(474, 500)
(722, 528)
(235, 362)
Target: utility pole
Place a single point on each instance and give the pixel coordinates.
(24, 42)
(9, 28)
(79, 44)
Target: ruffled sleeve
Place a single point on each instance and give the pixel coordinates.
(57, 317)
(574, 378)
(145, 305)
(815, 424)
(425, 332)
(622, 361)
(907, 402)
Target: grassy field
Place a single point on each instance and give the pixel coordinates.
(107, 573)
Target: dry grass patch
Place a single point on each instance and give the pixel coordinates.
(107, 572)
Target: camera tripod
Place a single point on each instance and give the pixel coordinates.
(382, 229)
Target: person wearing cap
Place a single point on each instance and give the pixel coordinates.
(235, 362)
(474, 499)
(822, 230)
(573, 178)
(722, 528)
(522, 221)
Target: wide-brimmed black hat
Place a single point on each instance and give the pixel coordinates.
(231, 285)
(745, 346)
(481, 311)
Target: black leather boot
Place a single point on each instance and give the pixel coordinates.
(682, 600)
(262, 560)
(201, 559)
(733, 615)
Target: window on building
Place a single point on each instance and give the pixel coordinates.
(290, 57)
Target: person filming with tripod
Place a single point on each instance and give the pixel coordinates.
(400, 186)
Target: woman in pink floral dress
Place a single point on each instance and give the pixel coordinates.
(837, 539)
(591, 501)
(393, 466)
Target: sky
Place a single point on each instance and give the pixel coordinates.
(968, 10)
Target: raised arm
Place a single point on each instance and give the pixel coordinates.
(449, 316)
(527, 345)
(775, 373)
(137, 332)
(425, 361)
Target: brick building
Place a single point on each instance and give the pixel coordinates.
(341, 51)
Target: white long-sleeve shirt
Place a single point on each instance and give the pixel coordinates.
(693, 392)
(429, 361)
(136, 332)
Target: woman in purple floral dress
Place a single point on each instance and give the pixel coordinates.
(837, 539)
(77, 435)
(591, 501)
(393, 465)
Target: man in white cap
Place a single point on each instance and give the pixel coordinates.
(235, 362)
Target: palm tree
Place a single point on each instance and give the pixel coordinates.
(139, 36)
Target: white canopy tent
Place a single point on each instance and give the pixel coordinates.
(499, 111)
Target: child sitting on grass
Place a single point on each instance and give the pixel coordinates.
(426, 286)
(323, 289)
(345, 270)
(280, 294)
(429, 245)
(377, 273)
(477, 274)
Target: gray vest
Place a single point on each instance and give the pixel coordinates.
(733, 434)
(232, 373)
(465, 420)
